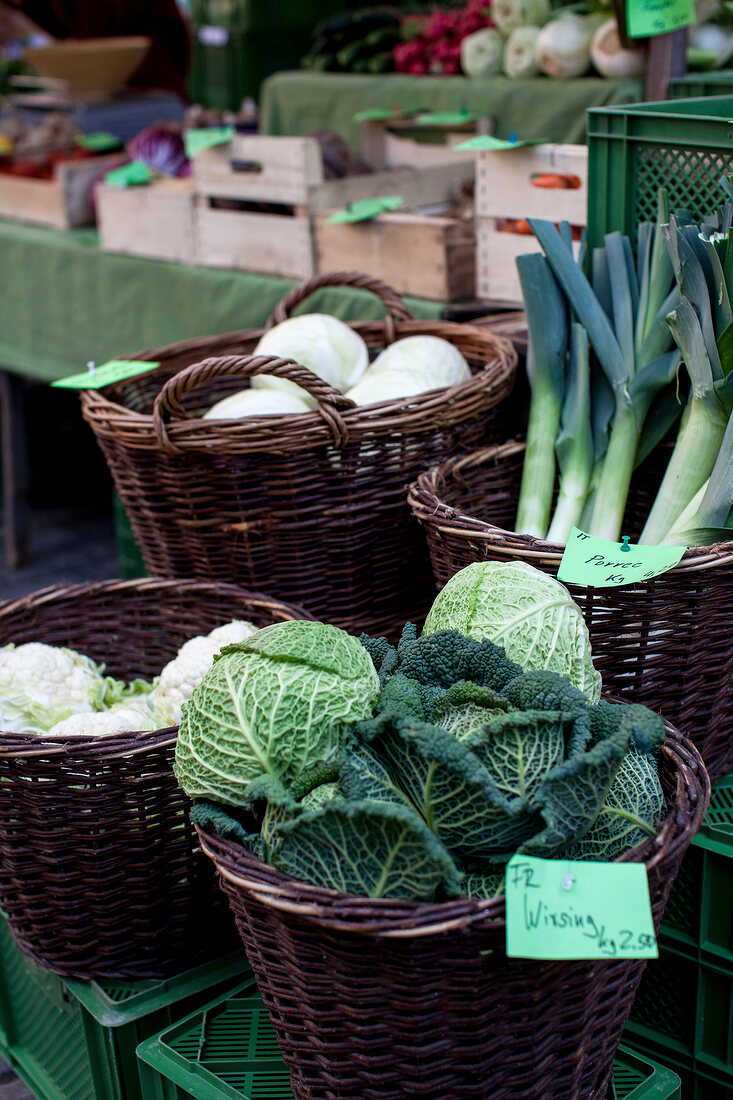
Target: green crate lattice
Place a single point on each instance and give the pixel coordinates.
(73, 1040)
(229, 1050)
(684, 145)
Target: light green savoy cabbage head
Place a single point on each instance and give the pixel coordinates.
(273, 704)
(531, 615)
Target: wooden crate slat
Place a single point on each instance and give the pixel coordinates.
(269, 243)
(155, 221)
(504, 188)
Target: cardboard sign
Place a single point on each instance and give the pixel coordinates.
(598, 563)
(196, 140)
(366, 209)
(565, 909)
(98, 142)
(487, 144)
(130, 175)
(646, 18)
(94, 378)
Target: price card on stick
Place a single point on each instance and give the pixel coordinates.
(598, 563)
(570, 909)
(95, 377)
(646, 18)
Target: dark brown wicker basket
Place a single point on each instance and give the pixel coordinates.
(310, 507)
(663, 642)
(382, 1000)
(99, 872)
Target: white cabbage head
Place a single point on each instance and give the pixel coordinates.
(323, 344)
(42, 684)
(258, 403)
(185, 672)
(272, 706)
(530, 614)
(430, 356)
(391, 385)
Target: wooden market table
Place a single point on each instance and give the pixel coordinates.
(541, 108)
(64, 302)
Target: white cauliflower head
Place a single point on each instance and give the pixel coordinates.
(182, 675)
(42, 684)
(121, 718)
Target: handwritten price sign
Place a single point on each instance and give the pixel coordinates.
(564, 909)
(598, 563)
(645, 18)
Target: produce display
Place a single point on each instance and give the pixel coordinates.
(417, 770)
(336, 353)
(55, 690)
(601, 417)
(35, 150)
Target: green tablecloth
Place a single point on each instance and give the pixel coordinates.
(550, 110)
(64, 302)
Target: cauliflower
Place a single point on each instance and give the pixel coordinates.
(121, 718)
(42, 684)
(184, 673)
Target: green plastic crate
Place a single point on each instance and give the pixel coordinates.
(699, 913)
(685, 1006)
(129, 559)
(73, 1040)
(695, 85)
(698, 1082)
(229, 1050)
(684, 145)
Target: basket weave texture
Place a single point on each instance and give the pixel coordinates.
(99, 872)
(383, 999)
(309, 507)
(663, 642)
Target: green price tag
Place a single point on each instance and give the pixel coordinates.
(98, 142)
(645, 18)
(366, 209)
(570, 909)
(130, 175)
(445, 118)
(197, 140)
(598, 563)
(94, 378)
(487, 144)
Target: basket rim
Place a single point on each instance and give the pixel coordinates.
(428, 506)
(125, 743)
(389, 918)
(386, 416)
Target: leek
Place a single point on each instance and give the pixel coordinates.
(624, 321)
(548, 337)
(709, 514)
(574, 447)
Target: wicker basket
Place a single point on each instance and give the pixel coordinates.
(310, 507)
(382, 1000)
(99, 873)
(663, 642)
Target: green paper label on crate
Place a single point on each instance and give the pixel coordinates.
(94, 378)
(198, 140)
(382, 114)
(484, 143)
(446, 118)
(99, 142)
(366, 209)
(598, 563)
(645, 18)
(130, 175)
(571, 909)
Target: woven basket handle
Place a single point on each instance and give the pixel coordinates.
(389, 298)
(168, 402)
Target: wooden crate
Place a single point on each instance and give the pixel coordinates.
(428, 256)
(256, 199)
(154, 221)
(387, 143)
(61, 202)
(504, 190)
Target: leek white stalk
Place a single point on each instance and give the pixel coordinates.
(574, 447)
(548, 338)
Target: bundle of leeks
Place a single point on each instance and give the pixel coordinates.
(596, 418)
